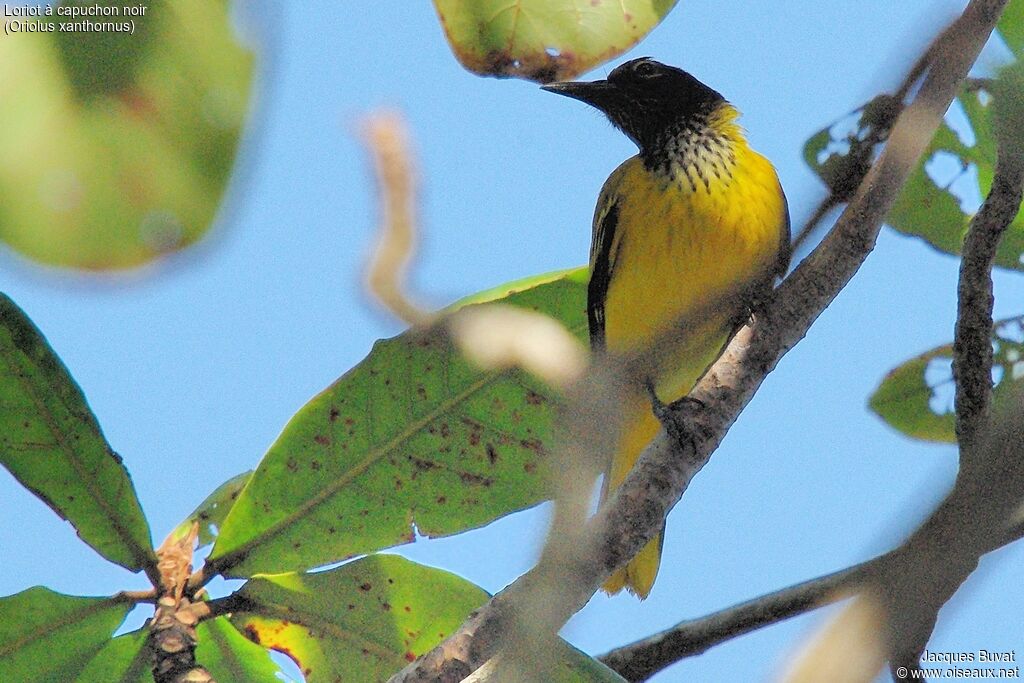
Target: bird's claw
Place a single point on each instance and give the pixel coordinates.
(671, 415)
(658, 406)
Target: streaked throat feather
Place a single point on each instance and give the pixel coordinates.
(699, 151)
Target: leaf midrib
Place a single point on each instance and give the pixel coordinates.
(52, 626)
(298, 615)
(229, 559)
(138, 553)
(226, 561)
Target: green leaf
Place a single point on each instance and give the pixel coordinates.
(413, 435)
(107, 62)
(230, 656)
(124, 659)
(545, 40)
(211, 512)
(842, 152)
(383, 611)
(46, 636)
(360, 622)
(118, 146)
(909, 399)
(1011, 26)
(221, 649)
(51, 443)
(904, 399)
(817, 145)
(932, 211)
(922, 209)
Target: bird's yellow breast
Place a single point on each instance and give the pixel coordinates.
(689, 244)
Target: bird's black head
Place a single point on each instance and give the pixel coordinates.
(646, 99)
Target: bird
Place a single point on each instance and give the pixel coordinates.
(688, 239)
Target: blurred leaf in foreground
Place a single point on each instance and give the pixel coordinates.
(118, 145)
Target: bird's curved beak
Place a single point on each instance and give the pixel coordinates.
(598, 94)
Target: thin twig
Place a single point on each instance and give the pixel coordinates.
(636, 511)
(228, 604)
(859, 155)
(930, 54)
(148, 595)
(824, 206)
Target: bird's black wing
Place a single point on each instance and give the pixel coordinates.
(606, 220)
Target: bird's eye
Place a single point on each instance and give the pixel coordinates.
(645, 70)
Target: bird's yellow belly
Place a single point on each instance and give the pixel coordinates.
(720, 241)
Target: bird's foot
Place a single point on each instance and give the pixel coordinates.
(675, 415)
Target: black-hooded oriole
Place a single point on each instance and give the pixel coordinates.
(692, 229)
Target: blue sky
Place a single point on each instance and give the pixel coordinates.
(194, 366)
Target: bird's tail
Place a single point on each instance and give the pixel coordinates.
(639, 427)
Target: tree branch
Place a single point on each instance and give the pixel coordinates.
(638, 508)
(642, 659)
(172, 631)
(928, 569)
(972, 345)
(980, 502)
